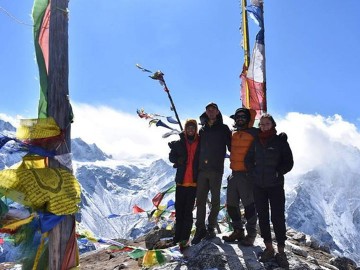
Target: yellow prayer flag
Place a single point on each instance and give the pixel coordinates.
(37, 128)
(54, 190)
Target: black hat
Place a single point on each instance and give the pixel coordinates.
(242, 110)
(213, 105)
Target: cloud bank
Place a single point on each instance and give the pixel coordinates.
(317, 140)
(314, 139)
(122, 135)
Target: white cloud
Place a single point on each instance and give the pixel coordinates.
(317, 140)
(12, 120)
(314, 139)
(123, 135)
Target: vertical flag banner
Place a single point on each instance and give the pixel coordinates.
(253, 78)
(41, 19)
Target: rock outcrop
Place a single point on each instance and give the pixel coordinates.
(214, 254)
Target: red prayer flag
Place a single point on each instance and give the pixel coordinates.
(157, 199)
(253, 78)
(44, 37)
(137, 209)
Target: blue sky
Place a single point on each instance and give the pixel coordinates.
(311, 58)
(311, 54)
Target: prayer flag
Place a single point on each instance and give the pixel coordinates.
(153, 257)
(137, 209)
(254, 77)
(137, 253)
(157, 199)
(171, 120)
(41, 18)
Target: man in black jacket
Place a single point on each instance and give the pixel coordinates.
(215, 136)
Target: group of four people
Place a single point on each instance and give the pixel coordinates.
(259, 158)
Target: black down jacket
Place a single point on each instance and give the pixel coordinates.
(178, 156)
(268, 163)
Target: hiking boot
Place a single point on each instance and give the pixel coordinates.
(175, 241)
(237, 234)
(267, 255)
(248, 241)
(210, 233)
(199, 235)
(184, 244)
(282, 261)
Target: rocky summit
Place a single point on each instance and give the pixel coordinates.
(215, 254)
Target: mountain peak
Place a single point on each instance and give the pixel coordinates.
(87, 152)
(6, 126)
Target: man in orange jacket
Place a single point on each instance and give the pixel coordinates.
(240, 186)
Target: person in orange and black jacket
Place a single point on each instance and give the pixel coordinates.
(184, 154)
(240, 185)
(268, 159)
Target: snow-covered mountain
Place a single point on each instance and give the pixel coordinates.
(113, 191)
(323, 202)
(6, 159)
(6, 127)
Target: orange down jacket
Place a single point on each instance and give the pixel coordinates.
(241, 141)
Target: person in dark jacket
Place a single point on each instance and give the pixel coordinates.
(184, 154)
(269, 158)
(215, 136)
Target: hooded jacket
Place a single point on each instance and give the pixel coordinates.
(183, 162)
(213, 142)
(241, 141)
(269, 162)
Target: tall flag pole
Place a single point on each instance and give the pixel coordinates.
(245, 44)
(51, 47)
(253, 76)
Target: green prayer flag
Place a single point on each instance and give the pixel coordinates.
(137, 253)
(40, 28)
(160, 257)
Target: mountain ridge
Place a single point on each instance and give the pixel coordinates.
(112, 187)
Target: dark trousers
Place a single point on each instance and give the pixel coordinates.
(275, 196)
(208, 181)
(184, 205)
(240, 187)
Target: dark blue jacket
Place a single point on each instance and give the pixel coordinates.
(268, 163)
(213, 142)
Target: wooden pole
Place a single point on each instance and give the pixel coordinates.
(265, 90)
(160, 77)
(246, 46)
(245, 30)
(59, 108)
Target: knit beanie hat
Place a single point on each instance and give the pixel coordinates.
(191, 122)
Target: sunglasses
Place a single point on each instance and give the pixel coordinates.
(240, 116)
